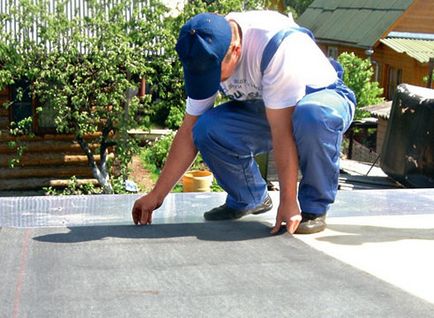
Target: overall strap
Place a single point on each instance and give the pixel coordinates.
(274, 43)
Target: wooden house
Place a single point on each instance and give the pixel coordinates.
(397, 35)
(47, 158)
(42, 158)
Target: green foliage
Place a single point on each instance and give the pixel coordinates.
(358, 75)
(156, 153)
(118, 184)
(215, 187)
(299, 6)
(73, 188)
(19, 151)
(23, 127)
(86, 77)
(295, 7)
(7, 60)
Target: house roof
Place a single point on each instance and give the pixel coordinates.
(381, 110)
(420, 50)
(358, 23)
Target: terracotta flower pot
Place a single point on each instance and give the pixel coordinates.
(197, 181)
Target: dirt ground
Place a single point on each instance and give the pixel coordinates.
(140, 175)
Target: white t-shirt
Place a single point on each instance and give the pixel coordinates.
(297, 63)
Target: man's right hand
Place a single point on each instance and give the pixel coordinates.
(143, 209)
(181, 155)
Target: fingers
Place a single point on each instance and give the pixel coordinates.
(276, 227)
(136, 214)
(146, 217)
(140, 215)
(291, 224)
(294, 222)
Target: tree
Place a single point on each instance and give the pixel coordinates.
(278, 5)
(299, 6)
(296, 7)
(358, 75)
(84, 70)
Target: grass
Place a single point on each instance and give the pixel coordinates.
(155, 172)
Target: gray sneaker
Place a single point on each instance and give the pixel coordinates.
(224, 212)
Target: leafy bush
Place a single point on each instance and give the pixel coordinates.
(299, 6)
(154, 157)
(358, 75)
(157, 152)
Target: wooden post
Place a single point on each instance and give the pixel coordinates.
(430, 71)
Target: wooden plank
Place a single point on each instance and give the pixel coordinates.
(4, 123)
(412, 71)
(46, 146)
(4, 137)
(44, 159)
(38, 183)
(3, 111)
(418, 18)
(4, 91)
(50, 172)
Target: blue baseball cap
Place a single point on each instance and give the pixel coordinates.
(202, 44)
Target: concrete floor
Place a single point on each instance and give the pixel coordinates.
(82, 257)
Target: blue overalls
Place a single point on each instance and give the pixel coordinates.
(231, 135)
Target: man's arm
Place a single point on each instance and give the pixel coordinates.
(286, 156)
(181, 155)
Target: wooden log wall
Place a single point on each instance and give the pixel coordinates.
(4, 114)
(418, 18)
(48, 160)
(341, 49)
(413, 72)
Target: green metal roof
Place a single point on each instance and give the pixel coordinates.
(359, 23)
(421, 50)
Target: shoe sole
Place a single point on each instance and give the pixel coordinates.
(310, 229)
(262, 211)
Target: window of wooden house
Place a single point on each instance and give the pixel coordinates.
(394, 78)
(377, 70)
(21, 107)
(24, 106)
(45, 119)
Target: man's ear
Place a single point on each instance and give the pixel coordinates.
(237, 49)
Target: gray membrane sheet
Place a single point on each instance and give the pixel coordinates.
(57, 211)
(82, 257)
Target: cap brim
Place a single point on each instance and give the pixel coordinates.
(204, 84)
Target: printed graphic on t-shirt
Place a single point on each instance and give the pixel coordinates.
(241, 89)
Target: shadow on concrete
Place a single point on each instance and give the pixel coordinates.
(361, 234)
(215, 231)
